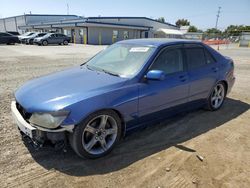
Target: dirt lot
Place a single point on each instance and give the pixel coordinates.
(162, 155)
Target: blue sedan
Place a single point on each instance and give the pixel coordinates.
(132, 83)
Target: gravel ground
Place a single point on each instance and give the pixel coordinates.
(163, 155)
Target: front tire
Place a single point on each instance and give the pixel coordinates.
(45, 43)
(31, 41)
(97, 135)
(217, 97)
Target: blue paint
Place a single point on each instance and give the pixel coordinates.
(139, 100)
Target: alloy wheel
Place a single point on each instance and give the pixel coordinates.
(65, 42)
(45, 43)
(99, 134)
(218, 95)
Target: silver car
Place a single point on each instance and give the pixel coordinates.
(52, 38)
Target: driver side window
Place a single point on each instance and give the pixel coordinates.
(170, 61)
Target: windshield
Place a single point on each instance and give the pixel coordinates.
(123, 60)
(34, 35)
(47, 34)
(42, 34)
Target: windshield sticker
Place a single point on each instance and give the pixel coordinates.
(139, 49)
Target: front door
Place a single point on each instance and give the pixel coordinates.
(52, 39)
(157, 97)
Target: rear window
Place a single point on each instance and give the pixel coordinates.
(209, 58)
(195, 57)
(60, 35)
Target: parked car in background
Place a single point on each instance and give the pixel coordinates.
(24, 36)
(130, 84)
(52, 38)
(14, 33)
(7, 38)
(30, 39)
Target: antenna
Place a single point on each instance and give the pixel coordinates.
(217, 18)
(67, 9)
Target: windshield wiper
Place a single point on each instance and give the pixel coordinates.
(102, 70)
(88, 67)
(110, 73)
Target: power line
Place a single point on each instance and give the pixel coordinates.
(217, 17)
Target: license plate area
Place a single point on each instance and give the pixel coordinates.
(29, 132)
(22, 125)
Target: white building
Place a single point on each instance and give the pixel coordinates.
(92, 30)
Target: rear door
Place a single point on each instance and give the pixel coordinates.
(202, 71)
(1, 38)
(4, 38)
(60, 38)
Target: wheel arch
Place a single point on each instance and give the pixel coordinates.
(219, 81)
(123, 123)
(225, 84)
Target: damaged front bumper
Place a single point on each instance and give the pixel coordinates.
(39, 135)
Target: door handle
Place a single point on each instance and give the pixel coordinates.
(215, 69)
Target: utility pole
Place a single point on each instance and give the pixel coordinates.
(216, 26)
(67, 9)
(217, 18)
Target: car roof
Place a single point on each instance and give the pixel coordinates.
(158, 41)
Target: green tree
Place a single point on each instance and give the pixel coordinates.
(213, 30)
(182, 22)
(161, 19)
(213, 33)
(192, 29)
(236, 30)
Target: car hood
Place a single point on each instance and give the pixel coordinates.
(23, 37)
(57, 91)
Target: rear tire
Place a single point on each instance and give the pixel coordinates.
(96, 135)
(217, 97)
(65, 42)
(11, 42)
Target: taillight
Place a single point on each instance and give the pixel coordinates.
(231, 72)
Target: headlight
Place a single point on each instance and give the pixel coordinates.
(48, 120)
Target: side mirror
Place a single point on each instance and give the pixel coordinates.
(155, 75)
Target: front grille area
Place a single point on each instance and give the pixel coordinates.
(23, 112)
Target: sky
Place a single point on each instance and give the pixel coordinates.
(201, 13)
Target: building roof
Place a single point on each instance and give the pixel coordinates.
(89, 18)
(130, 17)
(169, 31)
(65, 15)
(82, 22)
(158, 41)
